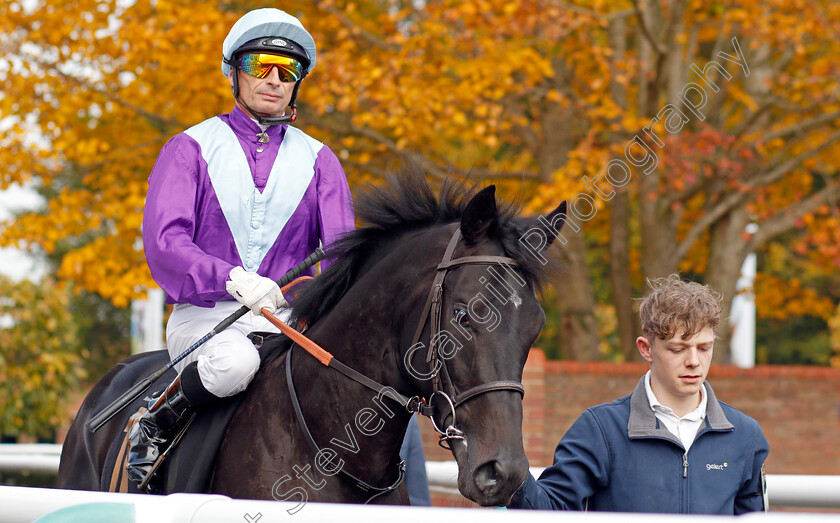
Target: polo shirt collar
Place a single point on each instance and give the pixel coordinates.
(643, 423)
(697, 414)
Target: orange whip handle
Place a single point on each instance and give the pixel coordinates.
(310, 346)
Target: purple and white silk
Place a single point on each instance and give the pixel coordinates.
(218, 199)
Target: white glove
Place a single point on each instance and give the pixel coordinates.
(254, 291)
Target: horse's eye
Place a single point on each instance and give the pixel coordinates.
(462, 318)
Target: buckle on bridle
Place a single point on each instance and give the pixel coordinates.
(413, 405)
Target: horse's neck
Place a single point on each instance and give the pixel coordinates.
(364, 331)
(367, 328)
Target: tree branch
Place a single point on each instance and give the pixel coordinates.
(497, 175)
(783, 220)
(791, 164)
(430, 166)
(114, 98)
(594, 14)
(714, 214)
(748, 122)
(731, 200)
(804, 125)
(674, 19)
(365, 167)
(356, 29)
(655, 43)
(703, 182)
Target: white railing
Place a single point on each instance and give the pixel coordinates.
(35, 457)
(783, 490)
(25, 504)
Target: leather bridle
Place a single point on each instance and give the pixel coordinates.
(442, 385)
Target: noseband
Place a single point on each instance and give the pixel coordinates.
(441, 382)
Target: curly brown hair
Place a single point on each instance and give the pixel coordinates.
(674, 305)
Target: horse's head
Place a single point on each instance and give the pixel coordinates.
(481, 317)
(436, 298)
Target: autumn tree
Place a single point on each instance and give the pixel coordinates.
(39, 357)
(681, 121)
(542, 97)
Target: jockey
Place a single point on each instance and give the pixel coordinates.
(234, 203)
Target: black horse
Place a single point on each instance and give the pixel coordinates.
(434, 299)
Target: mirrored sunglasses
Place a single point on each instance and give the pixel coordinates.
(259, 65)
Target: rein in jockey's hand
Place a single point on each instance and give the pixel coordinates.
(254, 291)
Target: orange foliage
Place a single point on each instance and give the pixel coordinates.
(521, 92)
(779, 299)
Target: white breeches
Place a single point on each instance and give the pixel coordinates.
(228, 361)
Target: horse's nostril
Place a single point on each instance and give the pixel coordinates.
(489, 477)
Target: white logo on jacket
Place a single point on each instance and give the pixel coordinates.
(715, 466)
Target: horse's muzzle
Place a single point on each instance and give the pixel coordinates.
(495, 481)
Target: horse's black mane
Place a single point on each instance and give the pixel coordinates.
(406, 203)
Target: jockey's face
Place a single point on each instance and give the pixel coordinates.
(266, 96)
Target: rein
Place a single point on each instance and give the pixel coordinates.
(441, 385)
(314, 446)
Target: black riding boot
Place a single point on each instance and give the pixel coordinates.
(148, 437)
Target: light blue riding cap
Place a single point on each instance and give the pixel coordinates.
(267, 22)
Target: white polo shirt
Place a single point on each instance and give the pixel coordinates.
(685, 428)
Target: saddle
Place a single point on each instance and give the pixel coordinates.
(187, 464)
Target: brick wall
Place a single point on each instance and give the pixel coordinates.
(798, 408)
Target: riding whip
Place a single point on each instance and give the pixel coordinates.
(96, 422)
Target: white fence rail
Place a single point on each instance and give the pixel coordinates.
(35, 457)
(788, 491)
(24, 504)
(783, 490)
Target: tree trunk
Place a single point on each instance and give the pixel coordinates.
(622, 289)
(658, 231)
(620, 277)
(578, 327)
(577, 331)
(726, 255)
(727, 249)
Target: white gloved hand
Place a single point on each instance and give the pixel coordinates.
(254, 291)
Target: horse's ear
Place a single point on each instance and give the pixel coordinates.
(556, 219)
(479, 215)
(537, 233)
